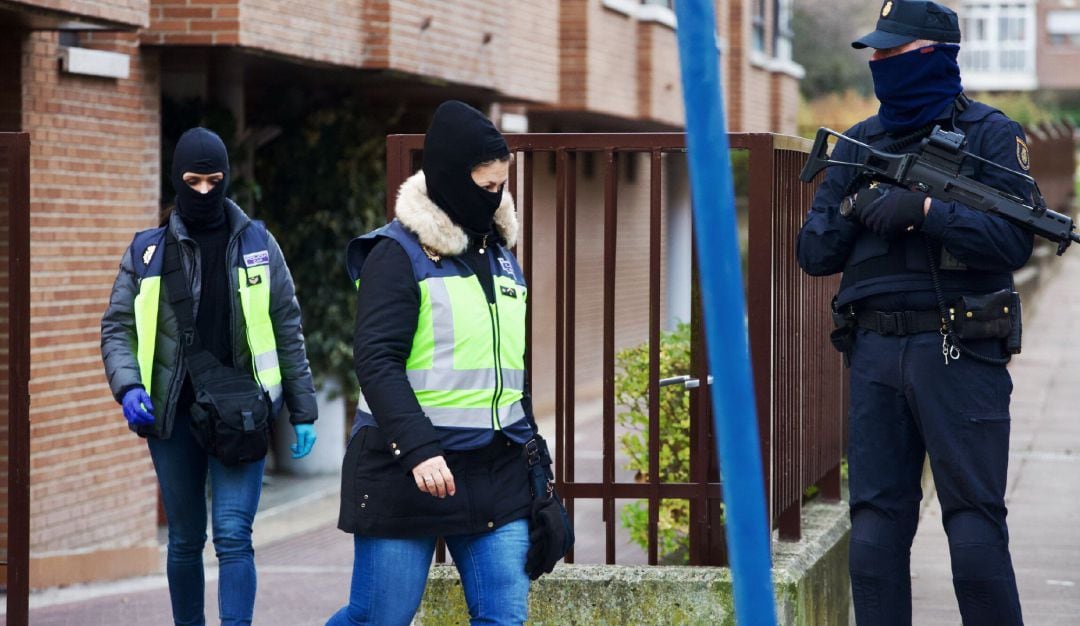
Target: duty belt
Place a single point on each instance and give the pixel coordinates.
(899, 323)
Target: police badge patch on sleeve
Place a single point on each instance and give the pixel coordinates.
(148, 254)
(1023, 156)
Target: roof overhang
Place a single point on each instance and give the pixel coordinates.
(30, 17)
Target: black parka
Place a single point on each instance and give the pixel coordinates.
(379, 496)
(118, 337)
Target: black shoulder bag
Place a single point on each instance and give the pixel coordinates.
(231, 415)
(551, 534)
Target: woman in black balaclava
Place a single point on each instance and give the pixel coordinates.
(437, 449)
(217, 244)
(461, 138)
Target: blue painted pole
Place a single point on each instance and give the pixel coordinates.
(724, 307)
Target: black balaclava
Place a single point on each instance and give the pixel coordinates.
(459, 139)
(200, 151)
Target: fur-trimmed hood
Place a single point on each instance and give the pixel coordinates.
(436, 231)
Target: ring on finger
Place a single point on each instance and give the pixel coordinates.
(428, 479)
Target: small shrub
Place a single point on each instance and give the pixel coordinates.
(632, 394)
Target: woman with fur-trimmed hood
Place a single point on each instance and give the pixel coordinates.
(439, 349)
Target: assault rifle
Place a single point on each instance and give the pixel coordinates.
(935, 171)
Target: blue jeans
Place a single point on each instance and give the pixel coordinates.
(389, 576)
(182, 468)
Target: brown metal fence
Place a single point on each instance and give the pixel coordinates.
(1053, 163)
(797, 376)
(15, 371)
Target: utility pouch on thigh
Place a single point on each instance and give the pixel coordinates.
(843, 335)
(1016, 326)
(985, 316)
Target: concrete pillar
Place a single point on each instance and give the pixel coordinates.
(680, 240)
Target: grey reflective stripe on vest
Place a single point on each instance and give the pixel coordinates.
(473, 418)
(462, 418)
(443, 328)
(265, 361)
(451, 380)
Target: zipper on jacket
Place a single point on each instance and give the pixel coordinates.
(231, 272)
(498, 365)
(493, 314)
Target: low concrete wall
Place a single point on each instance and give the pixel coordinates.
(810, 576)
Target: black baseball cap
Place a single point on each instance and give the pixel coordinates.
(903, 21)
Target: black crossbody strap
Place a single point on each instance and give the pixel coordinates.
(183, 306)
(532, 446)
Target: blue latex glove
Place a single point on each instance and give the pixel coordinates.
(305, 439)
(138, 410)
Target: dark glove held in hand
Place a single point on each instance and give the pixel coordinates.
(546, 537)
(891, 213)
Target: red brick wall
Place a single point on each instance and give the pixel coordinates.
(94, 182)
(194, 22)
(131, 12)
(663, 84)
(462, 42)
(612, 58)
(787, 105)
(573, 65)
(1055, 63)
(737, 64)
(328, 31)
(758, 100)
(503, 45)
(530, 49)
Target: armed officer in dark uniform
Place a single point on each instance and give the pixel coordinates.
(906, 258)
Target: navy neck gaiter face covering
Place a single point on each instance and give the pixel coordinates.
(459, 139)
(200, 151)
(915, 87)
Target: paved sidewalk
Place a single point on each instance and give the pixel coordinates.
(302, 581)
(304, 563)
(1044, 471)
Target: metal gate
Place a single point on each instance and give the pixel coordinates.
(798, 378)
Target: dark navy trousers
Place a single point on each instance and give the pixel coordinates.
(906, 403)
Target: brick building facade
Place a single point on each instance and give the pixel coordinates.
(576, 65)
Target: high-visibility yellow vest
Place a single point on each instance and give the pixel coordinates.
(253, 277)
(467, 361)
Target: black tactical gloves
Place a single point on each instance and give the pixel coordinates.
(890, 211)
